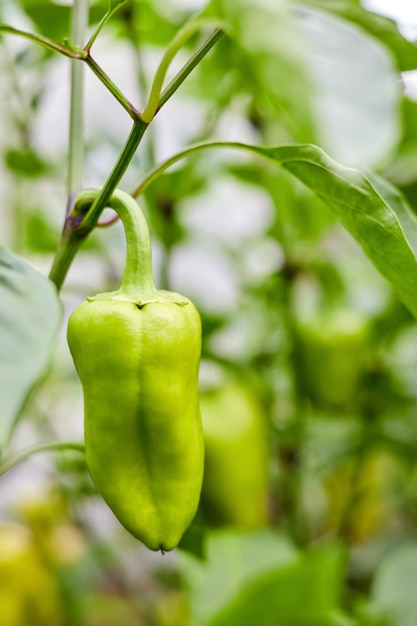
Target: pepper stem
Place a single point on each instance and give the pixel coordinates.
(137, 283)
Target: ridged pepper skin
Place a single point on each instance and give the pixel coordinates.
(139, 368)
(138, 361)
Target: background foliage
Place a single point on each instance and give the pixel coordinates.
(292, 309)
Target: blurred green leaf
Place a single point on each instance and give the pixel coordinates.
(276, 596)
(193, 540)
(150, 22)
(163, 200)
(30, 312)
(233, 560)
(272, 45)
(260, 578)
(401, 169)
(52, 20)
(393, 592)
(40, 235)
(380, 27)
(354, 124)
(26, 162)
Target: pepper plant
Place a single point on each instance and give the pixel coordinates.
(327, 163)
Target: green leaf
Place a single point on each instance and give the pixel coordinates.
(356, 125)
(401, 170)
(272, 47)
(233, 560)
(314, 68)
(393, 593)
(373, 212)
(30, 312)
(26, 162)
(259, 577)
(52, 20)
(274, 597)
(380, 27)
(39, 234)
(150, 22)
(383, 230)
(193, 540)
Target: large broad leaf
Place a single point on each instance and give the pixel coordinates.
(380, 27)
(358, 125)
(234, 559)
(373, 212)
(316, 69)
(259, 578)
(272, 45)
(30, 312)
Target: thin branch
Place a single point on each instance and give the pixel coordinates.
(107, 82)
(53, 446)
(154, 100)
(189, 66)
(103, 21)
(160, 168)
(79, 26)
(78, 227)
(49, 44)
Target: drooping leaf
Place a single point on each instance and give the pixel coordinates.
(376, 216)
(373, 212)
(30, 312)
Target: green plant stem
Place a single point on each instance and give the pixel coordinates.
(160, 168)
(109, 84)
(78, 227)
(79, 26)
(137, 277)
(67, 249)
(172, 87)
(103, 21)
(154, 100)
(134, 35)
(76, 53)
(44, 42)
(53, 446)
(130, 147)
